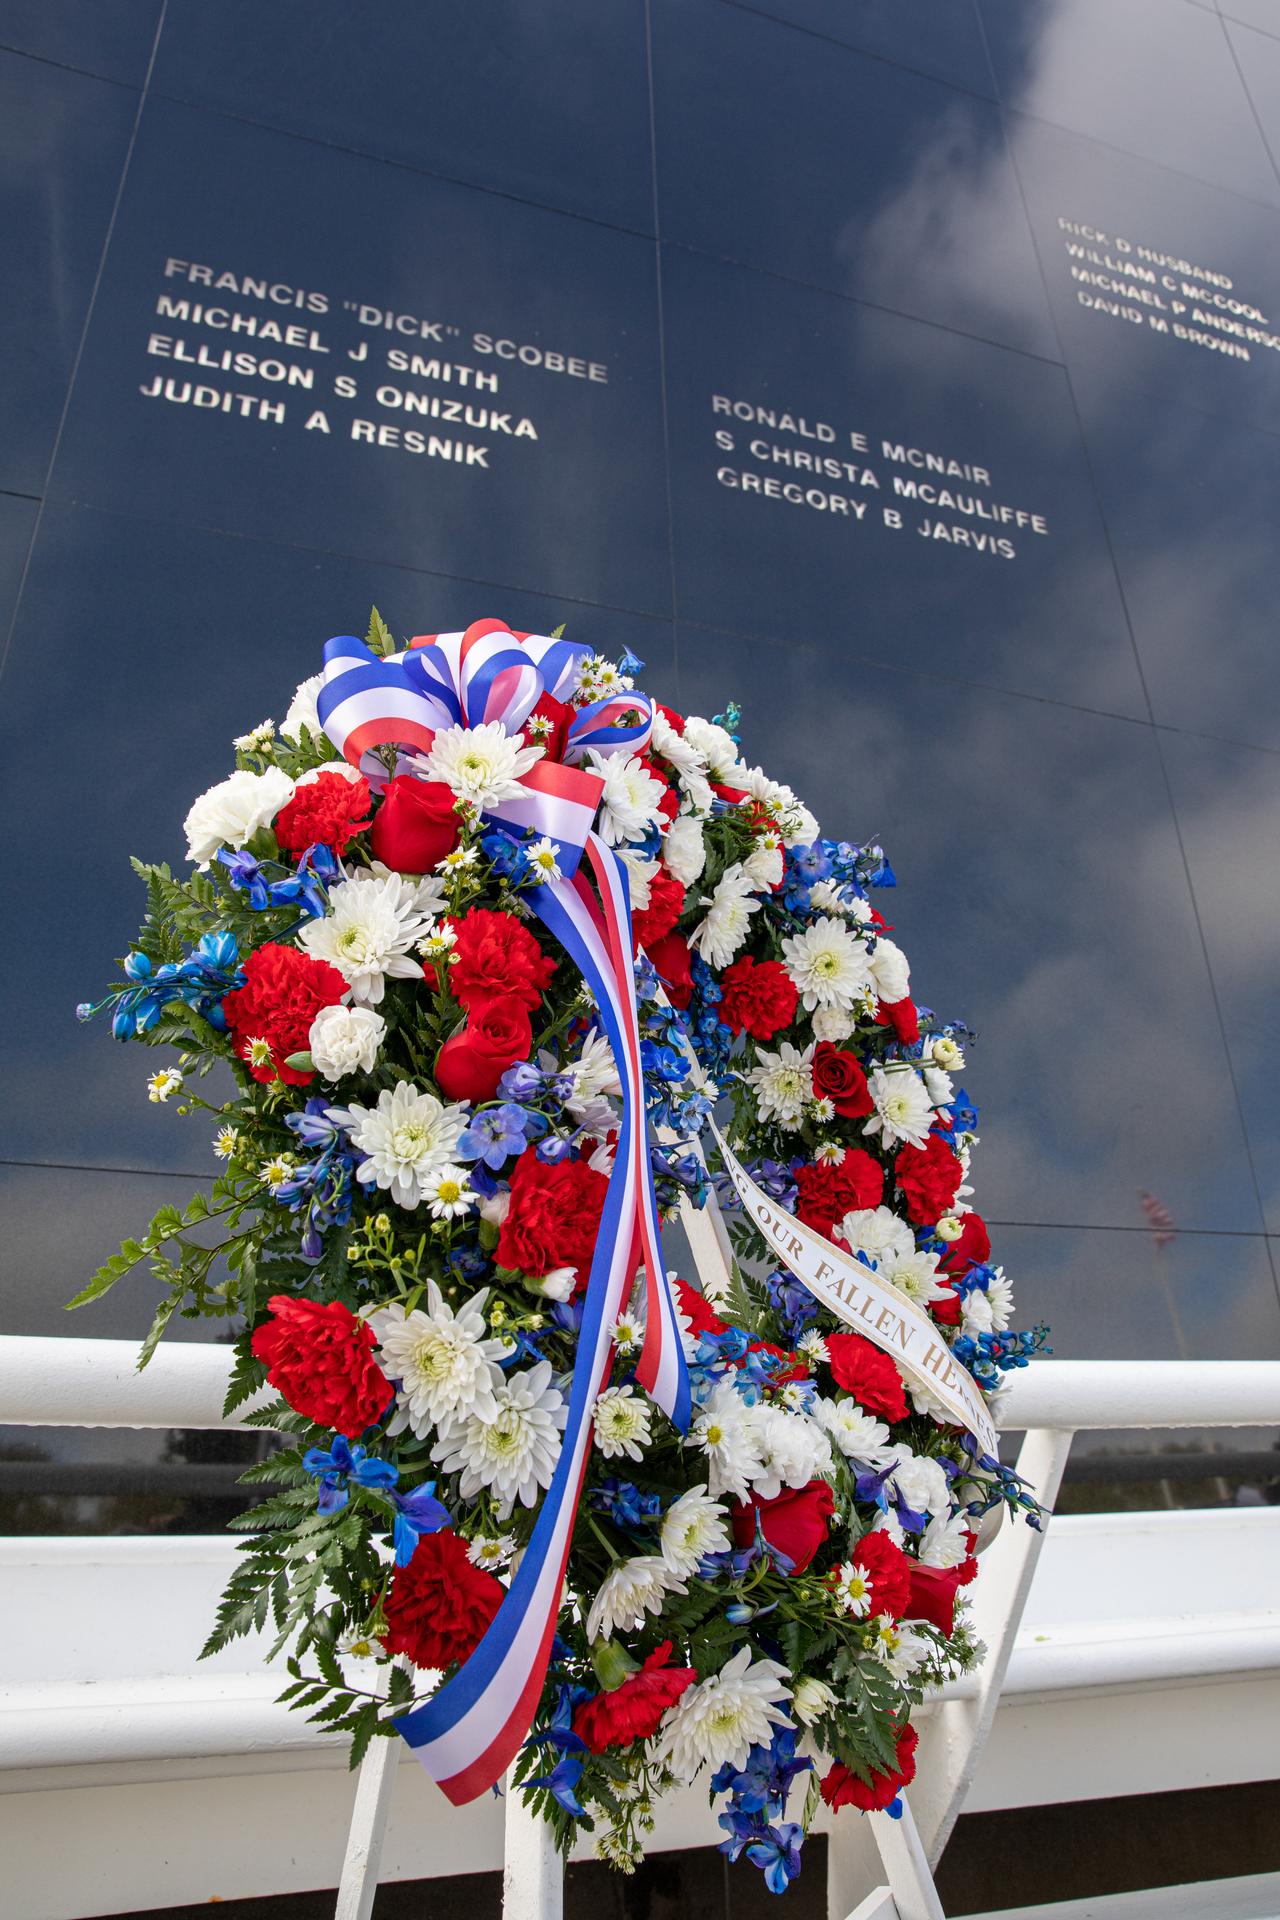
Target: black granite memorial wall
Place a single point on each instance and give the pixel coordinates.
(908, 370)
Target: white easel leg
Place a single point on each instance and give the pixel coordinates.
(532, 1870)
(374, 1784)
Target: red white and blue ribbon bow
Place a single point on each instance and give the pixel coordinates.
(468, 1733)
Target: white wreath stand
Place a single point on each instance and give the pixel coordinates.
(878, 1868)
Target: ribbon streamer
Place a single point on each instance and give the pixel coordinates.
(468, 1733)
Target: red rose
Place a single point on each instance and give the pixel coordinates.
(888, 1570)
(666, 904)
(928, 1176)
(471, 1062)
(757, 997)
(841, 1788)
(416, 824)
(869, 1375)
(439, 1605)
(323, 812)
(553, 1218)
(283, 992)
(670, 957)
(946, 1311)
(633, 1710)
(837, 1077)
(795, 1522)
(319, 1359)
(827, 1193)
(495, 958)
(553, 734)
(971, 1249)
(933, 1595)
(902, 1017)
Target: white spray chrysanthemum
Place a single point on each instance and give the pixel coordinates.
(372, 925)
(481, 764)
(692, 1527)
(631, 801)
(621, 1419)
(718, 1721)
(827, 965)
(513, 1452)
(406, 1137)
(444, 1358)
(629, 1591)
(728, 919)
(903, 1108)
(722, 1432)
(783, 1083)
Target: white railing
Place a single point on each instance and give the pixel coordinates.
(94, 1383)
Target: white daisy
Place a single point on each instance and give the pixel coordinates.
(345, 1040)
(718, 1721)
(888, 967)
(629, 1332)
(783, 1083)
(903, 1109)
(368, 934)
(514, 1452)
(542, 860)
(491, 1550)
(256, 739)
(631, 801)
(450, 1193)
(225, 1142)
(763, 865)
(445, 1361)
(798, 826)
(812, 1346)
(407, 1137)
(827, 965)
(481, 764)
(621, 1420)
(628, 1591)
(684, 849)
(163, 1085)
(692, 1527)
(852, 1590)
(278, 1169)
(722, 1433)
(229, 814)
(900, 1647)
(726, 925)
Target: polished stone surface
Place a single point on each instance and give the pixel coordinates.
(508, 94)
(826, 563)
(179, 635)
(112, 38)
(63, 139)
(572, 501)
(17, 522)
(810, 160)
(1152, 78)
(938, 37)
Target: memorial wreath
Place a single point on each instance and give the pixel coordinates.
(509, 963)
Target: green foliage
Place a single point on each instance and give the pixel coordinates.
(379, 639)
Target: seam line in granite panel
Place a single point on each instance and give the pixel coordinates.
(66, 66)
(660, 614)
(662, 347)
(401, 166)
(84, 335)
(94, 1166)
(1251, 26)
(1092, 1226)
(868, 53)
(860, 300)
(1144, 159)
(1257, 118)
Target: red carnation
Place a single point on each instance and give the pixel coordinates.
(495, 958)
(869, 1375)
(794, 1522)
(757, 997)
(439, 1604)
(889, 1571)
(837, 1077)
(928, 1176)
(319, 1359)
(548, 726)
(671, 958)
(553, 1218)
(633, 1710)
(827, 1193)
(696, 1309)
(323, 812)
(842, 1788)
(416, 825)
(901, 1015)
(971, 1249)
(669, 805)
(283, 992)
(673, 719)
(666, 904)
(933, 1595)
(472, 1061)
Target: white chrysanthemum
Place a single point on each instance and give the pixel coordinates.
(345, 1040)
(938, 1085)
(303, 712)
(763, 865)
(692, 1527)
(512, 1452)
(407, 1136)
(629, 1591)
(945, 1541)
(722, 1433)
(718, 749)
(783, 1083)
(900, 1647)
(368, 933)
(621, 1420)
(729, 909)
(876, 1232)
(903, 1108)
(833, 1023)
(445, 1361)
(684, 850)
(918, 1481)
(481, 764)
(915, 1274)
(641, 873)
(889, 971)
(718, 1721)
(229, 814)
(941, 1050)
(812, 1700)
(825, 896)
(163, 1085)
(857, 1433)
(680, 753)
(826, 963)
(1000, 1300)
(631, 801)
(791, 1450)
